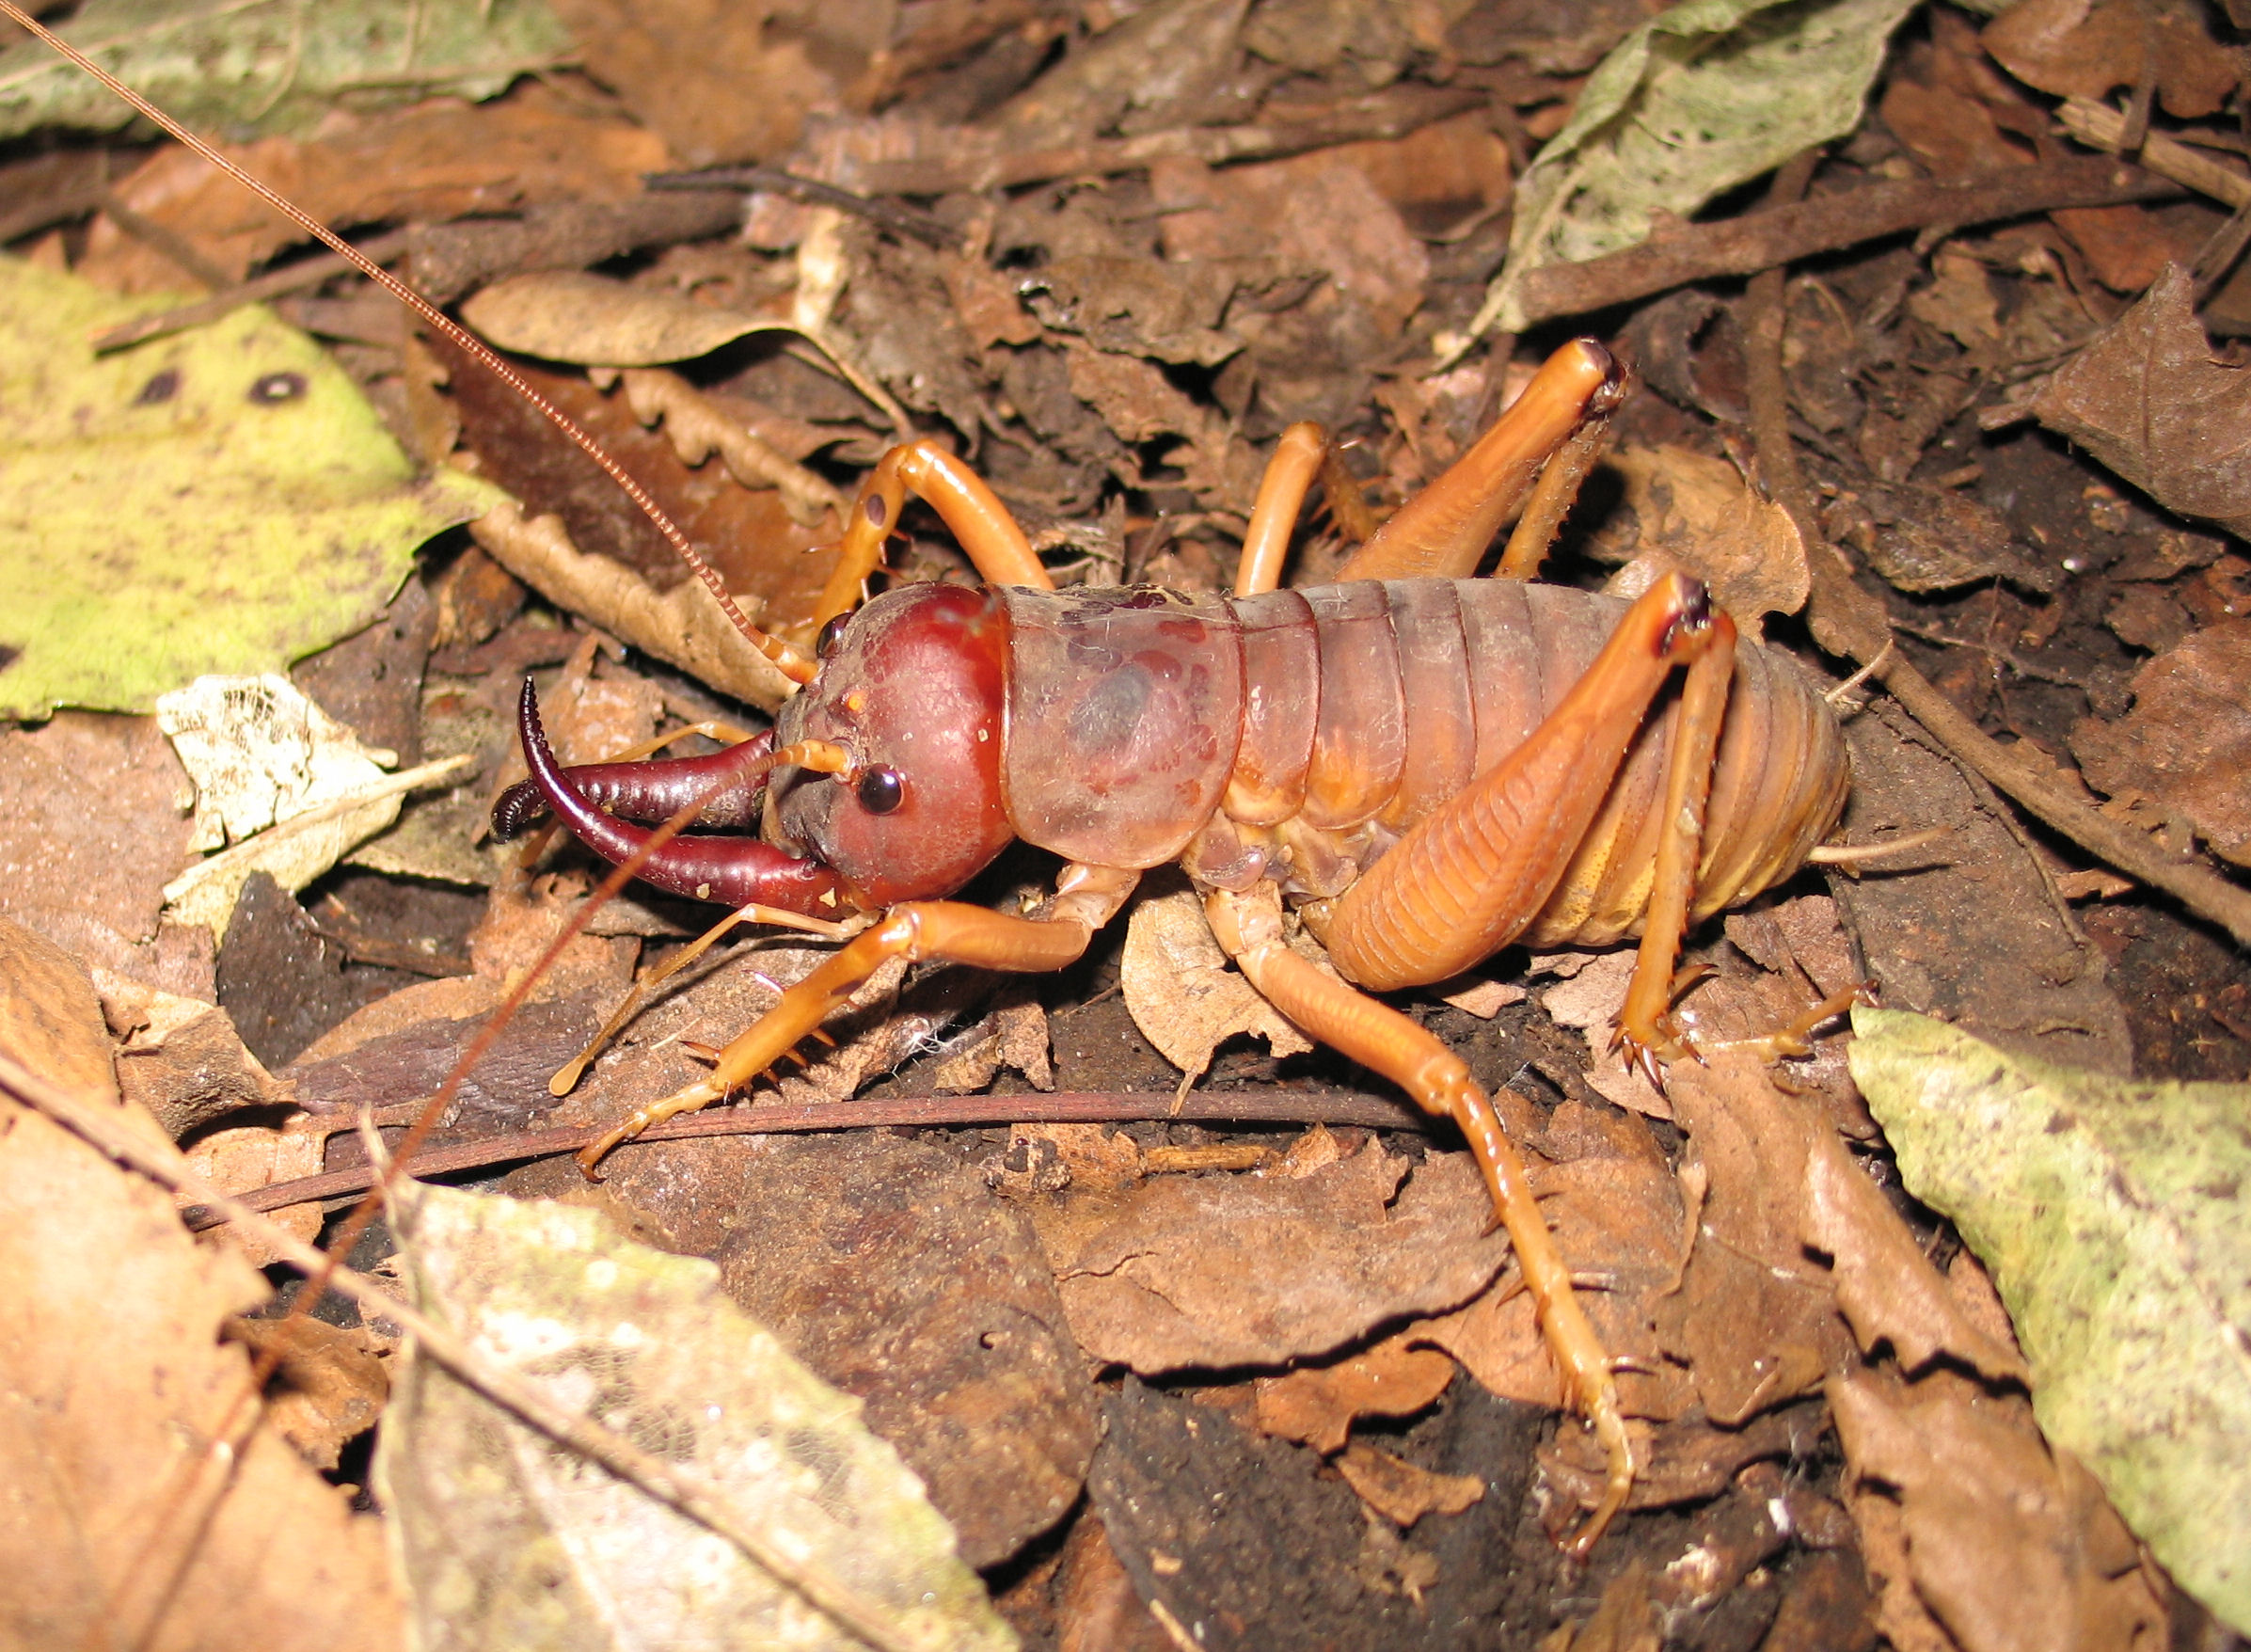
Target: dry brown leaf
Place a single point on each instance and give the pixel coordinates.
(1483, 998)
(570, 315)
(440, 160)
(1402, 1491)
(1094, 1157)
(1258, 211)
(2087, 48)
(1885, 1284)
(726, 81)
(2127, 247)
(1437, 174)
(1589, 999)
(251, 1157)
(1186, 996)
(1617, 1215)
(1317, 1404)
(1697, 513)
(681, 626)
(92, 825)
(2150, 399)
(886, 1266)
(328, 1387)
(2007, 1544)
(1684, 1461)
(1014, 1035)
(1755, 1319)
(124, 1521)
(49, 1019)
(1924, 538)
(1226, 1271)
(1948, 130)
(700, 424)
(1140, 404)
(2187, 742)
(182, 1059)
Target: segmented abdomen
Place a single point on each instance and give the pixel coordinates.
(1298, 734)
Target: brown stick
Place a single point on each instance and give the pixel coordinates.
(1745, 246)
(1385, 115)
(1847, 621)
(1062, 1107)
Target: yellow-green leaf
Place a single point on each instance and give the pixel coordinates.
(256, 66)
(2112, 1215)
(220, 502)
(1706, 96)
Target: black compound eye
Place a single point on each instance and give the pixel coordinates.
(831, 634)
(882, 791)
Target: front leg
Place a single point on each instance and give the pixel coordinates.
(1250, 928)
(1086, 898)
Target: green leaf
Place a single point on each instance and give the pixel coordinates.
(1707, 96)
(2112, 1215)
(221, 501)
(246, 68)
(506, 1539)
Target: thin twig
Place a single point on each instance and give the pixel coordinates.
(884, 214)
(293, 278)
(1383, 115)
(1848, 621)
(2098, 126)
(680, 1488)
(1058, 1108)
(1761, 241)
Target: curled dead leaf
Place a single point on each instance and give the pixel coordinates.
(1186, 996)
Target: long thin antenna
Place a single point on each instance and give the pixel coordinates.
(789, 661)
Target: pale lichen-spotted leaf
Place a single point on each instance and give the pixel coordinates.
(222, 500)
(507, 1539)
(249, 67)
(1707, 96)
(2112, 1217)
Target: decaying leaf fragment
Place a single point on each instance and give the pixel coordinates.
(289, 786)
(2187, 742)
(2150, 399)
(2111, 1215)
(1184, 995)
(1697, 513)
(508, 1540)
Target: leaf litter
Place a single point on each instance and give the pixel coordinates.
(1116, 340)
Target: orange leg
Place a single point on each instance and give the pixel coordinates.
(1086, 897)
(1297, 459)
(1249, 928)
(1641, 1024)
(1476, 871)
(1443, 530)
(988, 533)
(1557, 491)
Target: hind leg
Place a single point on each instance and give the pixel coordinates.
(1249, 928)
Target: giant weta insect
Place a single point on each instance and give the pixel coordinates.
(1426, 766)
